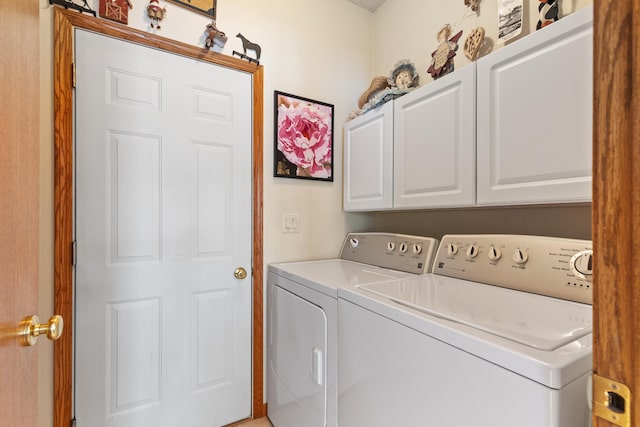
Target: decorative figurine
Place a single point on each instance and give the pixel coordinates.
(442, 57)
(548, 11)
(473, 42)
(248, 45)
(155, 13)
(214, 36)
(115, 10)
(473, 4)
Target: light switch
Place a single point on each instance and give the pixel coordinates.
(290, 223)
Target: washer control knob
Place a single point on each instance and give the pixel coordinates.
(417, 249)
(520, 256)
(494, 253)
(582, 264)
(403, 247)
(353, 242)
(472, 251)
(452, 249)
(391, 246)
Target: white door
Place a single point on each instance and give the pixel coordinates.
(368, 161)
(163, 218)
(434, 143)
(535, 102)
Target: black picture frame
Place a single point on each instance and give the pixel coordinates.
(204, 7)
(303, 138)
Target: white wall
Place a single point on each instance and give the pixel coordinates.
(326, 50)
(316, 49)
(407, 29)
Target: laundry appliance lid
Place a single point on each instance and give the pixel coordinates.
(328, 275)
(535, 321)
(489, 322)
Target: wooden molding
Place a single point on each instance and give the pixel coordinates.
(65, 22)
(616, 196)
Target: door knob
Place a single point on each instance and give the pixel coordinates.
(240, 273)
(30, 329)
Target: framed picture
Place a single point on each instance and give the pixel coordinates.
(203, 7)
(303, 138)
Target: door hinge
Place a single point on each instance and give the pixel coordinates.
(73, 422)
(611, 401)
(73, 75)
(74, 253)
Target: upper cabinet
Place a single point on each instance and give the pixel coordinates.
(368, 161)
(534, 101)
(513, 128)
(434, 143)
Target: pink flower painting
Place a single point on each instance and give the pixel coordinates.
(304, 138)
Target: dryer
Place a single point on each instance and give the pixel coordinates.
(302, 320)
(499, 335)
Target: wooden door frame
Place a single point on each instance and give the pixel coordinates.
(616, 196)
(65, 22)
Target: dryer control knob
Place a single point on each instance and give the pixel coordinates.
(403, 247)
(494, 253)
(353, 242)
(582, 264)
(520, 256)
(391, 246)
(452, 249)
(417, 249)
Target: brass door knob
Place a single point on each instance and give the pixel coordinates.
(240, 273)
(30, 329)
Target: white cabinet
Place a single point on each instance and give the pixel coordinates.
(417, 151)
(534, 101)
(368, 161)
(434, 143)
(513, 128)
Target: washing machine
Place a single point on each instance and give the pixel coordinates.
(499, 335)
(302, 320)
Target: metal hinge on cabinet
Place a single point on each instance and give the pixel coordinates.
(73, 75)
(611, 401)
(73, 422)
(74, 253)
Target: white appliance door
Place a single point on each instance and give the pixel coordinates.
(393, 375)
(163, 217)
(298, 361)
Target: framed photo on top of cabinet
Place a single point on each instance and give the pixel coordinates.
(303, 138)
(203, 7)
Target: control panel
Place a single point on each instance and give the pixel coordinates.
(551, 266)
(412, 254)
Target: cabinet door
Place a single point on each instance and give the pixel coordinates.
(368, 160)
(534, 116)
(434, 143)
